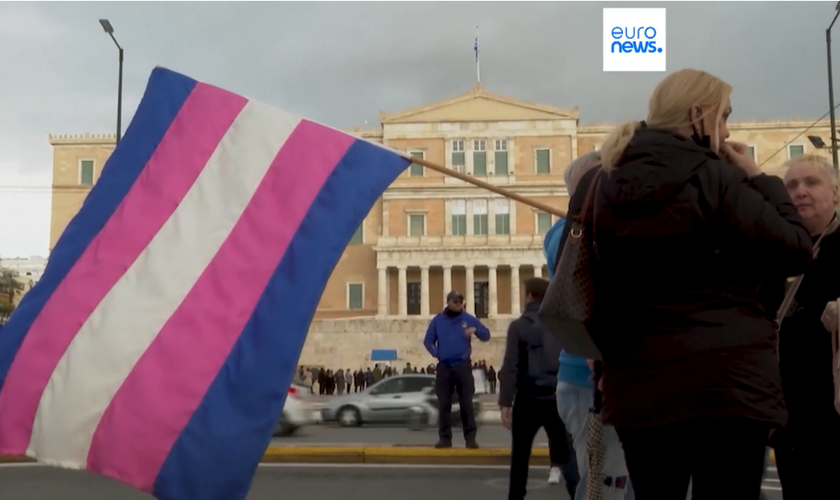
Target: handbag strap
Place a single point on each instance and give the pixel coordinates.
(794, 287)
(588, 201)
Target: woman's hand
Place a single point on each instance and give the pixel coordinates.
(738, 154)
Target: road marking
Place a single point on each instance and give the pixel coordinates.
(375, 466)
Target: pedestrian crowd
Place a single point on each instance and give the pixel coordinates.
(325, 381)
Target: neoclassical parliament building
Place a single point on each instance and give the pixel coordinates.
(430, 233)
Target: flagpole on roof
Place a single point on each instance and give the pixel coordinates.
(477, 59)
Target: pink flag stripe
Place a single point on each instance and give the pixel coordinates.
(156, 401)
(181, 155)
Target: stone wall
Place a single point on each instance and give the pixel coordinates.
(347, 343)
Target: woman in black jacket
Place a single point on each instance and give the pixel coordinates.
(686, 228)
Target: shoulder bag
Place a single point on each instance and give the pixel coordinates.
(570, 298)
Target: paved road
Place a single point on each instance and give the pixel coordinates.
(484, 398)
(488, 436)
(301, 483)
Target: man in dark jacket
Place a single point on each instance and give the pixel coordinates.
(448, 339)
(527, 382)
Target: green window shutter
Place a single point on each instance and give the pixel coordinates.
(356, 296)
(416, 170)
(86, 172)
(480, 224)
(416, 225)
(543, 223)
(543, 161)
(459, 225)
(502, 223)
(479, 163)
(501, 162)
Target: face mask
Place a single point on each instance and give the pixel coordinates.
(701, 139)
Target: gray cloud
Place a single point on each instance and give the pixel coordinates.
(341, 63)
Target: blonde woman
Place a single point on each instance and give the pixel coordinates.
(686, 227)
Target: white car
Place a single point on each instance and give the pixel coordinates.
(296, 412)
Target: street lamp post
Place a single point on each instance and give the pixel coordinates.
(831, 91)
(106, 25)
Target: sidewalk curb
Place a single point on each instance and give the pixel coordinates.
(396, 455)
(384, 455)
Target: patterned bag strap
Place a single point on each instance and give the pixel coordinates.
(587, 201)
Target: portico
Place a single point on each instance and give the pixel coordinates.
(415, 278)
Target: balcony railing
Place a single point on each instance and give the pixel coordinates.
(494, 240)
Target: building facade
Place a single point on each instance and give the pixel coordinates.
(430, 233)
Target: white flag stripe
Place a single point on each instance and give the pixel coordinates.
(130, 316)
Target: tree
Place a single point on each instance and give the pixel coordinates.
(10, 288)
(6, 310)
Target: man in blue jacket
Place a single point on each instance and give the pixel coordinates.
(449, 340)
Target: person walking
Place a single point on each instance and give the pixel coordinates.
(449, 340)
(527, 384)
(686, 226)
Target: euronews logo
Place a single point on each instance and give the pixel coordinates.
(634, 40)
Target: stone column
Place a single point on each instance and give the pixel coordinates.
(424, 290)
(537, 271)
(469, 293)
(494, 296)
(403, 291)
(447, 281)
(515, 302)
(383, 292)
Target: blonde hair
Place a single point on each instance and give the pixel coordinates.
(577, 168)
(670, 107)
(818, 160)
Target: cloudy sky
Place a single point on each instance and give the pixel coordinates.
(341, 63)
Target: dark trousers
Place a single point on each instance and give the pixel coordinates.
(723, 460)
(492, 387)
(528, 416)
(806, 455)
(450, 378)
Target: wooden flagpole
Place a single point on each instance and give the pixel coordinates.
(489, 187)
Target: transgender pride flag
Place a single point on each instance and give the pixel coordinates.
(158, 346)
